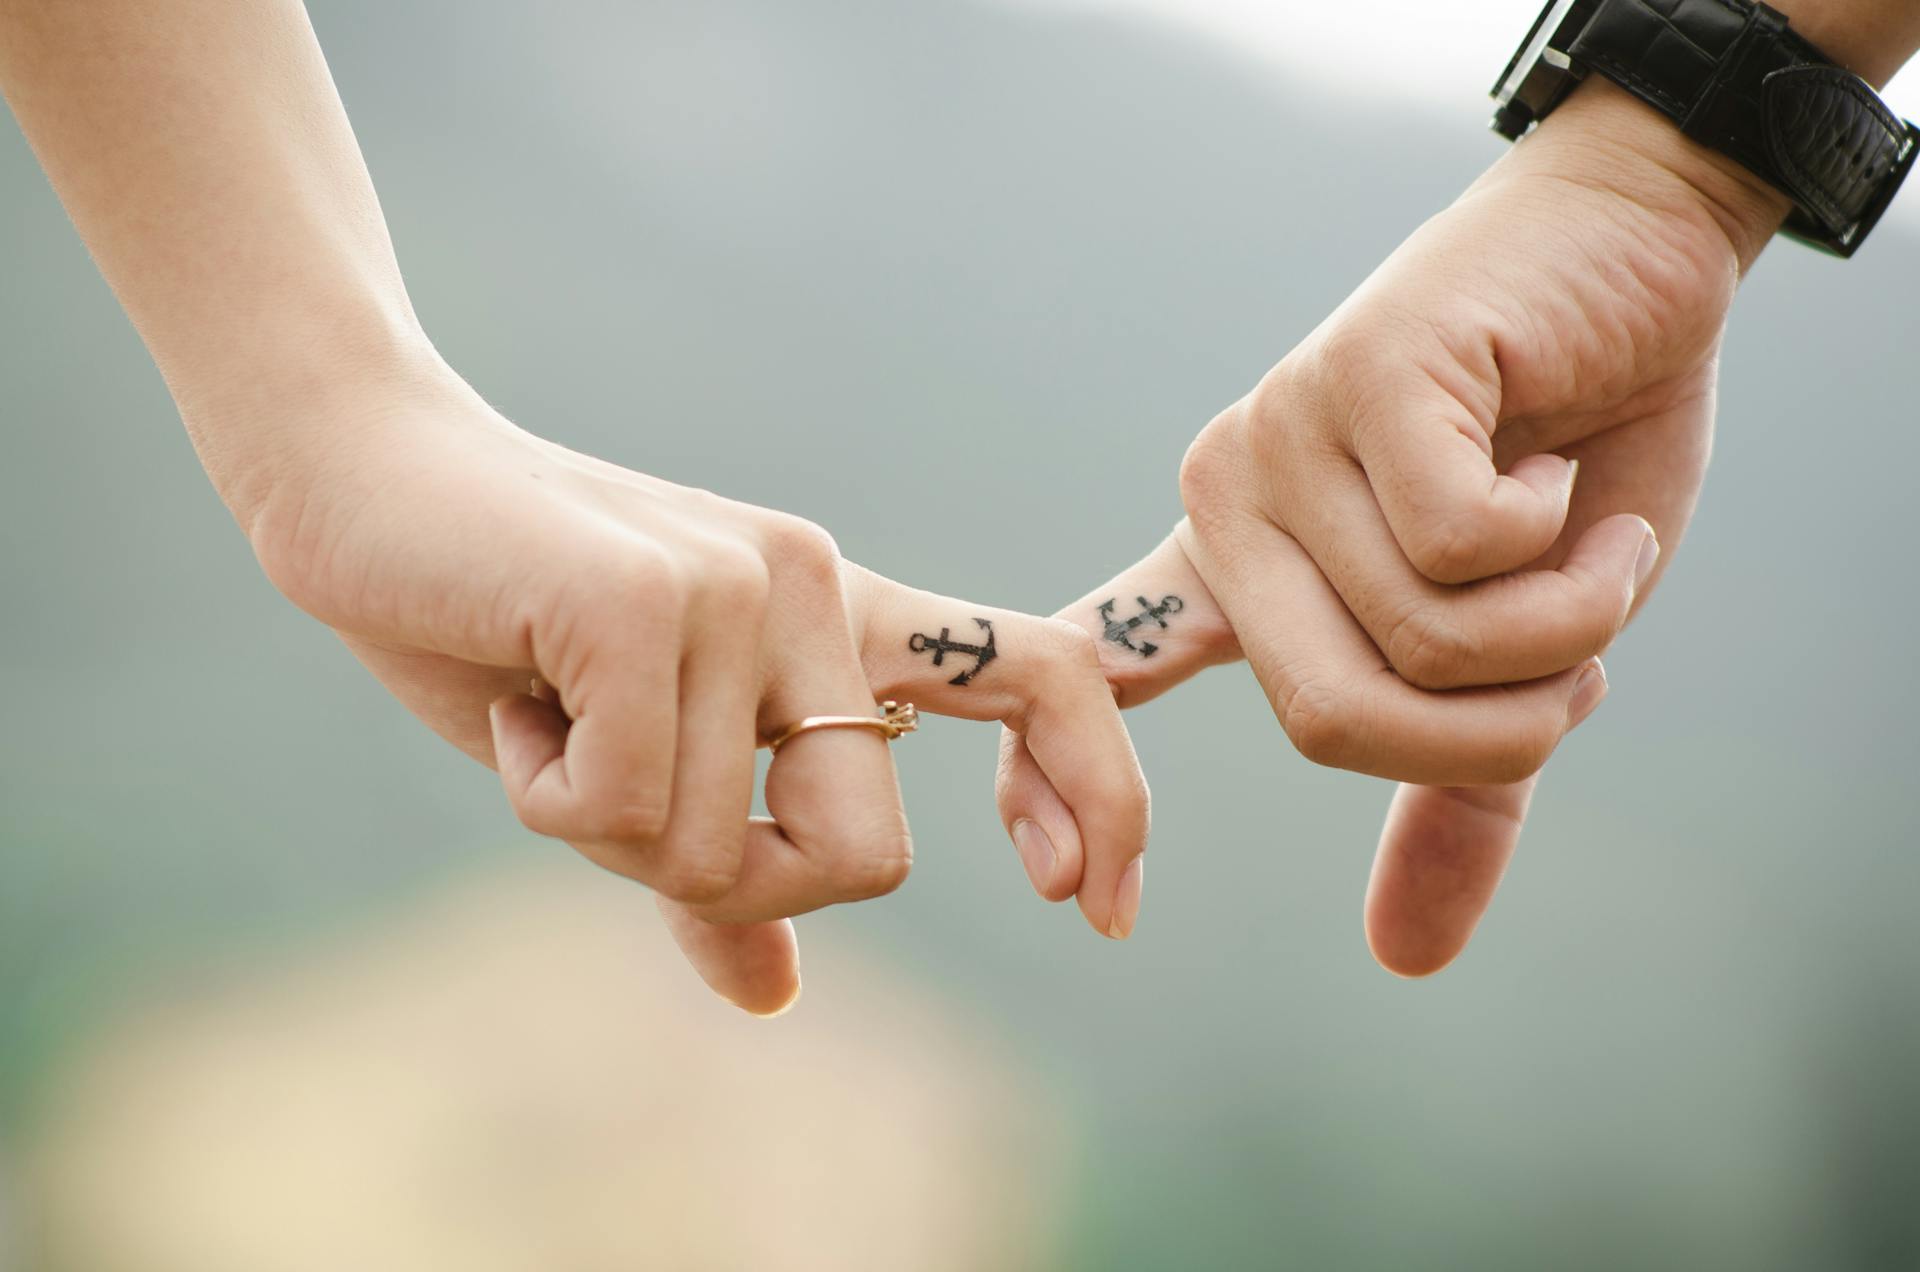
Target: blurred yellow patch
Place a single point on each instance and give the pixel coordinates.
(522, 1075)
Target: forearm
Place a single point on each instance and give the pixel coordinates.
(205, 157)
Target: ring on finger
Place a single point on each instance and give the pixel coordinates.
(895, 718)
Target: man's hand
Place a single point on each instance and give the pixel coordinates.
(1426, 523)
(618, 647)
(1431, 516)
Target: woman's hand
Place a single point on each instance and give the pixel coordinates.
(618, 647)
(1428, 521)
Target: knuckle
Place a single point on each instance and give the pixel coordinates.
(875, 868)
(1447, 551)
(1523, 753)
(1336, 372)
(1209, 468)
(1262, 450)
(1428, 649)
(631, 821)
(1066, 646)
(736, 576)
(538, 819)
(1243, 460)
(1320, 723)
(1274, 406)
(795, 544)
(696, 876)
(643, 569)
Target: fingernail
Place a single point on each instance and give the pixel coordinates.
(1649, 556)
(1036, 853)
(1587, 693)
(1573, 473)
(1126, 901)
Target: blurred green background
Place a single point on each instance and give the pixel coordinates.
(960, 282)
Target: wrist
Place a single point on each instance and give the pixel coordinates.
(269, 427)
(1605, 138)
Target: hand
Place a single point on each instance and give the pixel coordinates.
(1442, 851)
(618, 647)
(1352, 513)
(1392, 519)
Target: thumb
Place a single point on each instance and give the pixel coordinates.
(1442, 854)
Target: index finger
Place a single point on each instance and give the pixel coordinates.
(1424, 436)
(1343, 706)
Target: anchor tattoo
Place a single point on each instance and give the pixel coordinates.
(942, 645)
(1120, 633)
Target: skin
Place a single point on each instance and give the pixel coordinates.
(616, 645)
(1390, 522)
(1427, 522)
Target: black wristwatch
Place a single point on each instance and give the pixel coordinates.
(1734, 78)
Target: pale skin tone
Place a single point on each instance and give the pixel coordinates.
(1392, 521)
(617, 645)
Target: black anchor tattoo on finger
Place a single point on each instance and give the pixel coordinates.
(1121, 633)
(943, 644)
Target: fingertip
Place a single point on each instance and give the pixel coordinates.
(1442, 854)
(1109, 891)
(1475, 532)
(1041, 859)
(753, 966)
(1098, 815)
(1648, 558)
(1550, 478)
(1042, 828)
(1409, 961)
(764, 983)
(1620, 551)
(786, 999)
(528, 734)
(1623, 529)
(1126, 899)
(1589, 690)
(1548, 475)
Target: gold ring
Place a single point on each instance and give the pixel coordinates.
(894, 719)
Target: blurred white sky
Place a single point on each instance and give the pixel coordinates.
(1443, 55)
(1441, 51)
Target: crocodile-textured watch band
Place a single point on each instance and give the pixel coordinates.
(1738, 81)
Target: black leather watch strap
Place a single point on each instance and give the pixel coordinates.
(1737, 80)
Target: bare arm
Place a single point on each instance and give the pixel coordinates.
(205, 157)
(202, 151)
